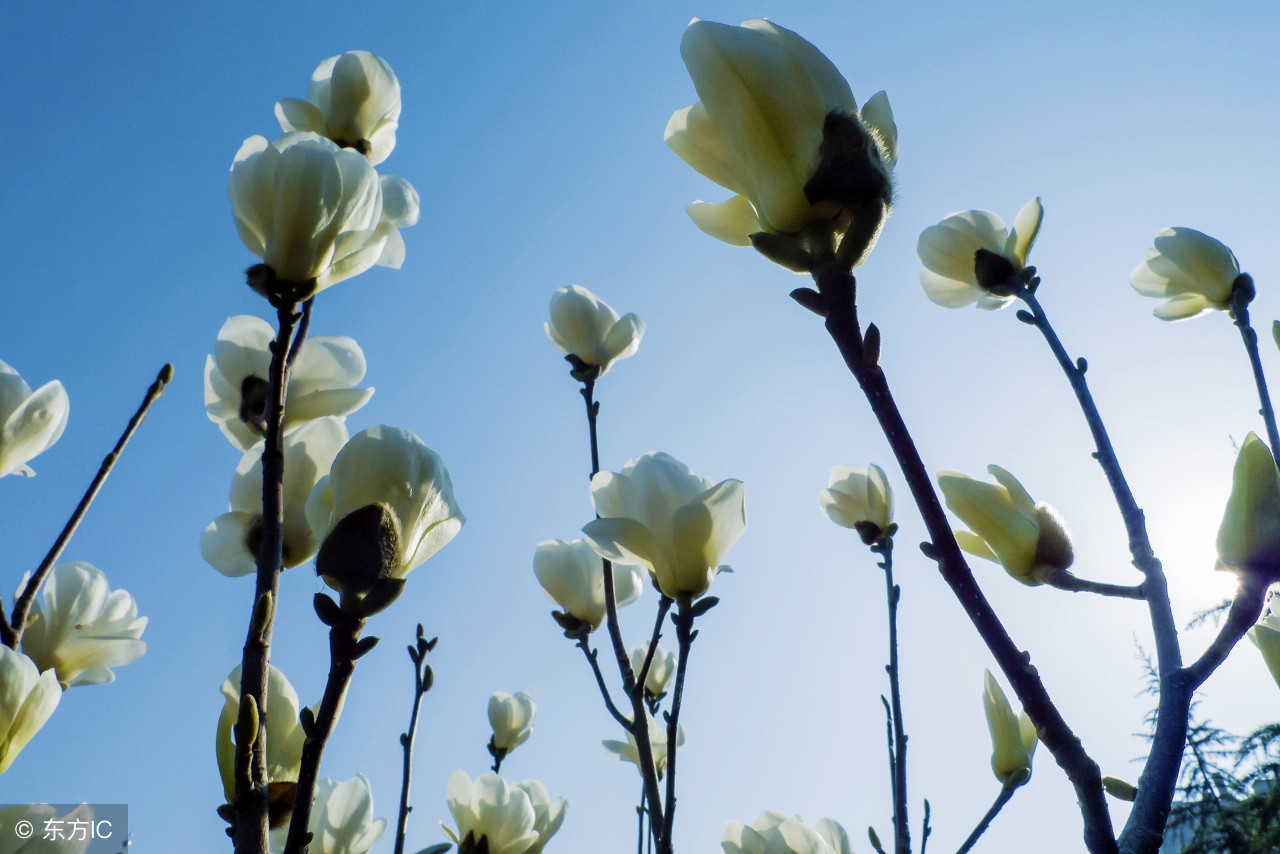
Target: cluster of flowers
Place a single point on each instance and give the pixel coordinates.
(78, 628)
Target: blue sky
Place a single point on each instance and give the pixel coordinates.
(534, 137)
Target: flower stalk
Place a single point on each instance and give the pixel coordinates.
(1242, 293)
(1006, 793)
(11, 630)
(345, 648)
(251, 785)
(423, 678)
(835, 297)
(898, 755)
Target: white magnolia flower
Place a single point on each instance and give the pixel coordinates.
(773, 111)
(1249, 537)
(30, 422)
(629, 751)
(401, 207)
(548, 815)
(392, 469)
(354, 100)
(309, 209)
(230, 542)
(955, 275)
(82, 627)
(573, 576)
(493, 809)
(342, 817)
(585, 326)
(661, 668)
(1029, 540)
(27, 699)
(1013, 737)
(858, 495)
(1266, 637)
(778, 833)
(68, 841)
(284, 731)
(236, 380)
(511, 716)
(1195, 272)
(657, 513)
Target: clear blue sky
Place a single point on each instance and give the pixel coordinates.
(534, 136)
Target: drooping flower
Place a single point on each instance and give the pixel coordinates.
(778, 833)
(27, 699)
(573, 576)
(342, 819)
(1192, 270)
(857, 496)
(661, 667)
(30, 422)
(548, 814)
(511, 716)
(657, 513)
(971, 257)
(777, 125)
(284, 738)
(82, 627)
(1266, 637)
(629, 751)
(42, 816)
(1013, 737)
(236, 380)
(402, 486)
(230, 542)
(309, 209)
(585, 326)
(352, 99)
(1008, 527)
(490, 809)
(1249, 537)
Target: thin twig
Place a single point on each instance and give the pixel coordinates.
(640, 813)
(345, 647)
(684, 637)
(1144, 829)
(1244, 613)
(251, 803)
(893, 593)
(925, 829)
(592, 655)
(11, 632)
(1003, 798)
(639, 725)
(422, 681)
(836, 288)
(1241, 295)
(1065, 580)
(664, 606)
(304, 325)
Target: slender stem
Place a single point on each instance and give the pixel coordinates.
(639, 724)
(592, 655)
(893, 593)
(11, 631)
(925, 829)
(251, 802)
(684, 637)
(893, 760)
(640, 813)
(1003, 798)
(304, 325)
(837, 290)
(1144, 829)
(344, 649)
(422, 679)
(1240, 313)
(1246, 608)
(1064, 580)
(664, 606)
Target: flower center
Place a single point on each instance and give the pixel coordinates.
(253, 403)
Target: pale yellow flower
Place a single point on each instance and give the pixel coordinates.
(491, 809)
(1249, 537)
(954, 273)
(1013, 737)
(27, 700)
(858, 495)
(585, 326)
(1008, 527)
(1195, 272)
(30, 422)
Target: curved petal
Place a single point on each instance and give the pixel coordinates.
(733, 221)
(224, 544)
